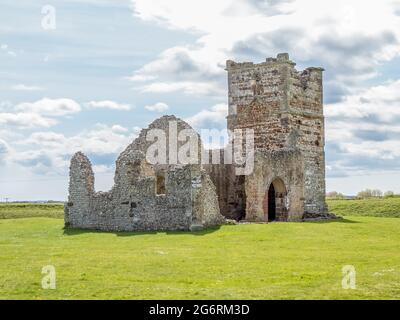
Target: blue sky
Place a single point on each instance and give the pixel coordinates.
(111, 67)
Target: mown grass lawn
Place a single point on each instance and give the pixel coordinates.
(253, 261)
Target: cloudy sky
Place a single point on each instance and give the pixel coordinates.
(106, 68)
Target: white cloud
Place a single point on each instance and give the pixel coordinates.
(48, 152)
(230, 21)
(345, 36)
(187, 87)
(157, 107)
(40, 161)
(5, 105)
(23, 87)
(103, 139)
(141, 77)
(181, 69)
(26, 120)
(4, 149)
(4, 47)
(29, 115)
(179, 60)
(46, 139)
(213, 118)
(379, 103)
(50, 107)
(118, 129)
(101, 169)
(192, 15)
(107, 104)
(362, 131)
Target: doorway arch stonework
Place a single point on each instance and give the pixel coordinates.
(275, 201)
(285, 171)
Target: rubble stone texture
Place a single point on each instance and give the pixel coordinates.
(189, 202)
(283, 106)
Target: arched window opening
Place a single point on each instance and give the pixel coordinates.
(160, 184)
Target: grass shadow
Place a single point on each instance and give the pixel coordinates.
(195, 233)
(338, 220)
(75, 232)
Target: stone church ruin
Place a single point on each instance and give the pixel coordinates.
(282, 107)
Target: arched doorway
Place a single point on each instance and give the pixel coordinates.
(275, 207)
(271, 203)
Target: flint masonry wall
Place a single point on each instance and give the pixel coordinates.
(305, 100)
(284, 107)
(81, 190)
(133, 203)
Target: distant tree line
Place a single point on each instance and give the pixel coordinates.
(364, 194)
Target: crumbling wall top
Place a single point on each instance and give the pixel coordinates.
(280, 58)
(169, 124)
(81, 171)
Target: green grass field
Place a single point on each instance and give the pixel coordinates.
(374, 207)
(30, 210)
(248, 261)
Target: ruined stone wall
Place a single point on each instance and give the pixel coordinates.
(138, 207)
(133, 203)
(219, 174)
(170, 125)
(205, 202)
(306, 117)
(229, 188)
(81, 189)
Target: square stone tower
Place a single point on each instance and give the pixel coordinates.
(284, 107)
